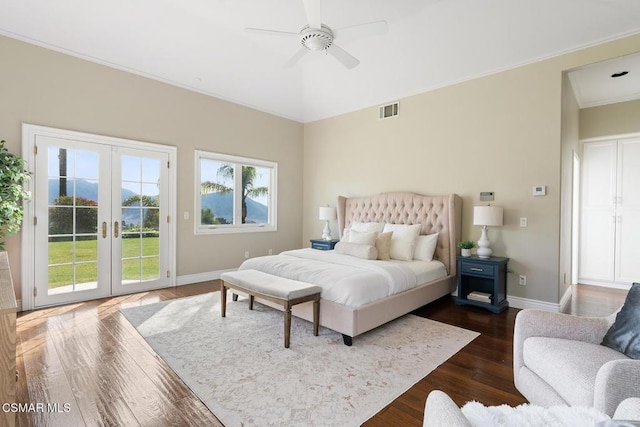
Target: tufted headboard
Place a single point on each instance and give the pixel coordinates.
(442, 214)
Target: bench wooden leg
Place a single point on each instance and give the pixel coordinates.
(251, 302)
(287, 326)
(223, 300)
(316, 316)
(234, 297)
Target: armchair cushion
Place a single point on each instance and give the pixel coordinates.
(569, 366)
(624, 334)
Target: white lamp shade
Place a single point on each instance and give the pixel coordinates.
(327, 213)
(487, 215)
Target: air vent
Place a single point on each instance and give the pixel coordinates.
(387, 111)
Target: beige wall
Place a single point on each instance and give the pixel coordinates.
(607, 120)
(498, 133)
(43, 87)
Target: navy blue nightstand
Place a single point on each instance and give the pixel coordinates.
(323, 245)
(483, 277)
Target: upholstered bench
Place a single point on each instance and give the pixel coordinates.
(279, 290)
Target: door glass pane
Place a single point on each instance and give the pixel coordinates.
(140, 218)
(216, 192)
(73, 220)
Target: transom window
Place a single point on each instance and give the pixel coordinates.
(235, 194)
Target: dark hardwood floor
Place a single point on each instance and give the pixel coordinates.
(88, 356)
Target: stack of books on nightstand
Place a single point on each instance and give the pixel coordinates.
(479, 296)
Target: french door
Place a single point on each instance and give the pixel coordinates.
(102, 219)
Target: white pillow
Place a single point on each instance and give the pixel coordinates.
(365, 227)
(357, 250)
(362, 238)
(425, 247)
(403, 241)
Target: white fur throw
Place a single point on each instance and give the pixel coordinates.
(532, 415)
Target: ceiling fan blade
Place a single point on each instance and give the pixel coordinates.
(296, 57)
(313, 9)
(270, 32)
(343, 56)
(367, 29)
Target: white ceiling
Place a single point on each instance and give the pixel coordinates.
(594, 85)
(201, 45)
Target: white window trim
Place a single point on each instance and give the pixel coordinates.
(272, 224)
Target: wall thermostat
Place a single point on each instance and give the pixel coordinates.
(540, 190)
(486, 196)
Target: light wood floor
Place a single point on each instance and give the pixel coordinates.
(88, 356)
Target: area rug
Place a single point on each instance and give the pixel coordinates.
(239, 368)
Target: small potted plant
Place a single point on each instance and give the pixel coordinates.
(466, 246)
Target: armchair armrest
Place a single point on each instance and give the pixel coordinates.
(629, 409)
(538, 323)
(441, 411)
(616, 381)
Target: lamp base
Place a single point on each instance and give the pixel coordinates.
(484, 245)
(326, 232)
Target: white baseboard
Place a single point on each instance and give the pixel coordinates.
(522, 303)
(190, 279)
(566, 299)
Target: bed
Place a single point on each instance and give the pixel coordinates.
(393, 288)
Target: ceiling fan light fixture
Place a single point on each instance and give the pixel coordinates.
(316, 40)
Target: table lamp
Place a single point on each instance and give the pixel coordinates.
(486, 216)
(327, 213)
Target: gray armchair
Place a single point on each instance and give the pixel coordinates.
(558, 360)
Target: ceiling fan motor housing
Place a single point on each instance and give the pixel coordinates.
(316, 39)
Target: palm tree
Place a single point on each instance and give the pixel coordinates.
(249, 175)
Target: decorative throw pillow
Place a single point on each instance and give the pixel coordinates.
(383, 245)
(425, 247)
(362, 238)
(403, 241)
(624, 334)
(367, 227)
(364, 227)
(357, 250)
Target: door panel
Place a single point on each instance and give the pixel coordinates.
(140, 249)
(72, 258)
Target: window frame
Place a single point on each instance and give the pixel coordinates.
(237, 227)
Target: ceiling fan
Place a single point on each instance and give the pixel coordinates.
(319, 37)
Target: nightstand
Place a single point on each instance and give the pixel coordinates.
(482, 282)
(323, 245)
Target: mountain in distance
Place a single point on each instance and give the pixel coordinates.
(85, 189)
(221, 204)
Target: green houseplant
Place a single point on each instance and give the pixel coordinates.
(466, 246)
(12, 177)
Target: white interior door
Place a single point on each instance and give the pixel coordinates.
(628, 212)
(102, 220)
(598, 220)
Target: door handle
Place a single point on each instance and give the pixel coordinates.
(104, 229)
(115, 229)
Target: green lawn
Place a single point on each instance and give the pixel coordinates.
(86, 267)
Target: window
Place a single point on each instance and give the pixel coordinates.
(234, 194)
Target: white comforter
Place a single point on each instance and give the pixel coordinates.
(345, 279)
